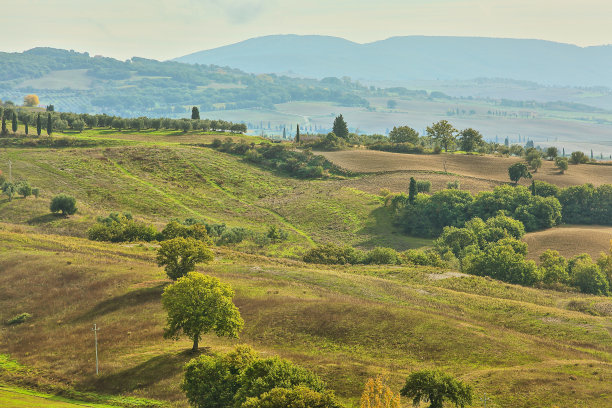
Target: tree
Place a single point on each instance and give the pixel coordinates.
(588, 277)
(554, 267)
(340, 128)
(435, 387)
(195, 113)
(404, 134)
(518, 171)
(552, 152)
(297, 397)
(197, 304)
(14, 122)
(578, 158)
(31, 100)
(4, 131)
(263, 375)
(212, 381)
(297, 134)
(9, 189)
(443, 133)
(78, 125)
(180, 256)
(49, 124)
(38, 125)
(24, 189)
(470, 140)
(533, 188)
(412, 190)
(562, 164)
(377, 394)
(64, 203)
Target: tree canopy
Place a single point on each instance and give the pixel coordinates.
(197, 304)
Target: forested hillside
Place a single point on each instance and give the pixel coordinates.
(81, 83)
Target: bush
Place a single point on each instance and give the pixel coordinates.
(424, 258)
(587, 277)
(20, 318)
(24, 189)
(234, 235)
(381, 256)
(121, 228)
(196, 231)
(64, 203)
(578, 158)
(453, 185)
(330, 254)
(297, 397)
(423, 186)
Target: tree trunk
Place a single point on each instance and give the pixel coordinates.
(195, 344)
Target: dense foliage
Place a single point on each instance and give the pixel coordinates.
(241, 379)
(281, 157)
(331, 254)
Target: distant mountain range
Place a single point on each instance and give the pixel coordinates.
(417, 58)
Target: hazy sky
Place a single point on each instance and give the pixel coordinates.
(164, 29)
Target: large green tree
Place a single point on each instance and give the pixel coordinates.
(180, 255)
(198, 304)
(436, 387)
(404, 134)
(470, 140)
(340, 127)
(443, 134)
(63, 203)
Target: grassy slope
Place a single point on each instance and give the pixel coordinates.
(159, 177)
(521, 345)
(18, 397)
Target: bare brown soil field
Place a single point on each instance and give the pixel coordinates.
(570, 240)
(400, 181)
(486, 168)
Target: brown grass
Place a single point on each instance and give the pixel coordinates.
(570, 240)
(478, 172)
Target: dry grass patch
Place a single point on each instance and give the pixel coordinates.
(570, 240)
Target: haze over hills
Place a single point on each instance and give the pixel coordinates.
(417, 58)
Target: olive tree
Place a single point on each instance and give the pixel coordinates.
(198, 304)
(517, 171)
(64, 204)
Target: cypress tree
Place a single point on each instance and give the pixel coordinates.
(412, 190)
(297, 134)
(340, 128)
(49, 125)
(195, 113)
(27, 130)
(533, 188)
(284, 133)
(14, 124)
(38, 125)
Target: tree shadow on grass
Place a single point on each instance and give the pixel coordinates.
(44, 219)
(143, 375)
(133, 298)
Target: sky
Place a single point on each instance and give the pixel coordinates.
(165, 29)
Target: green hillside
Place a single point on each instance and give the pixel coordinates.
(523, 347)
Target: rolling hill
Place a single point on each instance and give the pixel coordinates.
(417, 58)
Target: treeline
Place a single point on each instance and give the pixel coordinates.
(140, 85)
(281, 157)
(331, 254)
(542, 206)
(493, 248)
(121, 227)
(48, 122)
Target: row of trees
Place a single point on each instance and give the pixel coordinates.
(56, 121)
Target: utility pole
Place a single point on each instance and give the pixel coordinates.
(10, 163)
(95, 330)
(485, 400)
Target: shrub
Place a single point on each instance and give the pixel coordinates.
(64, 203)
(587, 277)
(562, 164)
(297, 397)
(20, 318)
(435, 387)
(423, 186)
(578, 158)
(36, 192)
(234, 235)
(196, 231)
(276, 234)
(24, 189)
(121, 228)
(453, 185)
(381, 256)
(424, 258)
(330, 254)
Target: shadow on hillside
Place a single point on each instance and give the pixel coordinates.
(143, 375)
(44, 219)
(381, 232)
(132, 298)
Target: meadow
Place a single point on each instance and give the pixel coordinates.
(523, 347)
